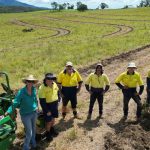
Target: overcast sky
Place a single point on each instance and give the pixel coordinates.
(90, 3)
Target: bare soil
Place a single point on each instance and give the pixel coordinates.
(109, 133)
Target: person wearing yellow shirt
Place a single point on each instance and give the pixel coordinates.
(69, 83)
(148, 88)
(48, 96)
(97, 84)
(129, 81)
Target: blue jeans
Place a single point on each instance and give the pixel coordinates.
(29, 122)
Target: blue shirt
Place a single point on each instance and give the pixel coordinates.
(25, 102)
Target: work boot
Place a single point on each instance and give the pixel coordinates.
(100, 116)
(89, 116)
(124, 118)
(64, 115)
(49, 136)
(76, 115)
(53, 132)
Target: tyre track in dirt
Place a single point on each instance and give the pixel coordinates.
(122, 29)
(97, 135)
(59, 31)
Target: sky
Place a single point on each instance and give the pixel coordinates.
(113, 4)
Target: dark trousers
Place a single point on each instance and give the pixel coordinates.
(127, 95)
(148, 96)
(70, 94)
(99, 97)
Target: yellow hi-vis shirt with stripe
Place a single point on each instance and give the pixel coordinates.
(50, 94)
(131, 81)
(97, 81)
(67, 80)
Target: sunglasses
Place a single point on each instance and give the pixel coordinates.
(30, 81)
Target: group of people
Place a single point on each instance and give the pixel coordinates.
(66, 85)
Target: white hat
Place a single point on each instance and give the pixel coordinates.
(69, 64)
(131, 65)
(30, 78)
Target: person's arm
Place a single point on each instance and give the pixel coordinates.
(148, 83)
(107, 83)
(15, 104)
(43, 104)
(80, 81)
(141, 84)
(118, 81)
(59, 83)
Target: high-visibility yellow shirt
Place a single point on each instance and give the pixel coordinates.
(148, 74)
(49, 93)
(97, 81)
(67, 80)
(132, 81)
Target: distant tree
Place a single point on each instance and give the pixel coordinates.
(81, 7)
(78, 4)
(54, 5)
(103, 5)
(71, 7)
(144, 3)
(125, 7)
(60, 7)
(64, 5)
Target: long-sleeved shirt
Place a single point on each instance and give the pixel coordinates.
(25, 102)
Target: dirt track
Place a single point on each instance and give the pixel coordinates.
(59, 31)
(108, 133)
(122, 29)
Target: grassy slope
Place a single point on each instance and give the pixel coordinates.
(24, 53)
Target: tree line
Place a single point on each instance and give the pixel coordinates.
(82, 7)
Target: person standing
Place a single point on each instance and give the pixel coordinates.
(97, 84)
(26, 101)
(48, 96)
(128, 81)
(69, 82)
(148, 88)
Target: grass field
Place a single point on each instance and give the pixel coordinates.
(87, 41)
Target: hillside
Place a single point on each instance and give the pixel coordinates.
(41, 42)
(14, 3)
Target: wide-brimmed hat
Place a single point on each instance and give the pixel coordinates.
(131, 65)
(50, 76)
(30, 78)
(69, 64)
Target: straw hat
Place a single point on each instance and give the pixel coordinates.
(30, 78)
(131, 65)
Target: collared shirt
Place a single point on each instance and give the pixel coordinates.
(49, 93)
(67, 80)
(97, 81)
(132, 81)
(25, 102)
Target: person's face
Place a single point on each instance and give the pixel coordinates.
(30, 83)
(69, 69)
(49, 82)
(99, 70)
(131, 69)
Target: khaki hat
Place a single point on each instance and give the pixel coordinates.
(30, 78)
(131, 65)
(69, 64)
